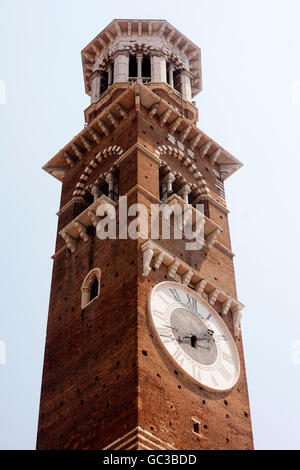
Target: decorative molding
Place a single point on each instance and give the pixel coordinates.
(182, 272)
(77, 228)
(70, 203)
(215, 203)
(136, 96)
(111, 151)
(182, 157)
(224, 249)
(86, 287)
(139, 438)
(58, 252)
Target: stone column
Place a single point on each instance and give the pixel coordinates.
(184, 192)
(110, 179)
(152, 67)
(121, 68)
(85, 296)
(186, 86)
(159, 69)
(167, 186)
(139, 59)
(109, 70)
(171, 77)
(170, 180)
(95, 81)
(116, 190)
(95, 192)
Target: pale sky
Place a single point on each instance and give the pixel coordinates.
(251, 61)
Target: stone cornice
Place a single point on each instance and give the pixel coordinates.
(70, 203)
(139, 96)
(215, 203)
(142, 31)
(154, 256)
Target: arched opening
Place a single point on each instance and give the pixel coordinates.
(146, 69)
(177, 80)
(94, 289)
(132, 67)
(90, 289)
(103, 81)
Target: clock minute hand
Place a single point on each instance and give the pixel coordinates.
(179, 329)
(219, 337)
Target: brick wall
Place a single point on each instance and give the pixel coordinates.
(104, 372)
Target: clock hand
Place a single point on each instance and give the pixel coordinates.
(203, 347)
(179, 329)
(219, 337)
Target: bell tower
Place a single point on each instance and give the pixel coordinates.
(108, 381)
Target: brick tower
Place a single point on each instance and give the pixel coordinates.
(111, 379)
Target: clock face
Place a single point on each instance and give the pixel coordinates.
(194, 335)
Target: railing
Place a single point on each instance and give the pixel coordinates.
(142, 79)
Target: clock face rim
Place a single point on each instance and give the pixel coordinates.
(213, 313)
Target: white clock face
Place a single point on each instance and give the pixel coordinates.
(194, 335)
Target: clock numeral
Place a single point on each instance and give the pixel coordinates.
(224, 372)
(164, 331)
(196, 373)
(220, 337)
(227, 357)
(215, 383)
(178, 356)
(159, 314)
(175, 294)
(192, 303)
(165, 335)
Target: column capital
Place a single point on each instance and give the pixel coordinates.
(169, 178)
(110, 178)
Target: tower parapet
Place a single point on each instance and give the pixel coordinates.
(149, 51)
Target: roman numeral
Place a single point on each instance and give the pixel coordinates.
(191, 303)
(175, 294)
(196, 373)
(164, 332)
(178, 356)
(220, 337)
(224, 372)
(227, 357)
(215, 383)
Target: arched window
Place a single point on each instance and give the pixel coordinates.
(90, 289)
